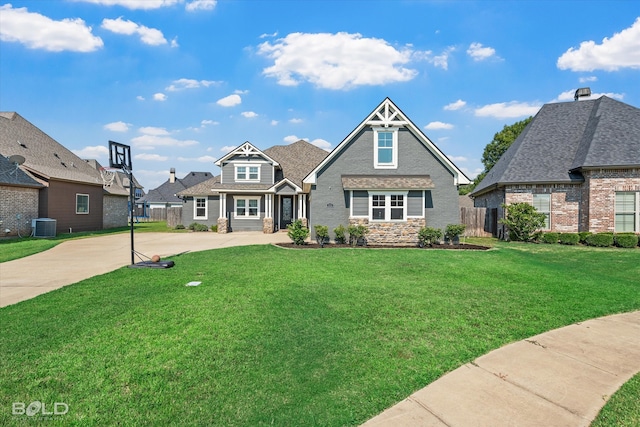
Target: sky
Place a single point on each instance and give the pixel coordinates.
(185, 81)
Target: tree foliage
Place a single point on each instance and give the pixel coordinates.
(523, 221)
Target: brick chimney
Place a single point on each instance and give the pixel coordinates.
(172, 175)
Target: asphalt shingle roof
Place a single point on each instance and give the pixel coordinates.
(565, 137)
(14, 176)
(297, 159)
(167, 192)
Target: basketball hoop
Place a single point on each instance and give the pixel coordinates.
(108, 176)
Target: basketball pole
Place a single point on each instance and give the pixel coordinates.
(131, 210)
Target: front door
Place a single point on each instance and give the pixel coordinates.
(286, 211)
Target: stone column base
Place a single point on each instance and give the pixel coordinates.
(267, 225)
(222, 226)
(305, 222)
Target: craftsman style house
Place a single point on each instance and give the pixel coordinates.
(386, 175)
(576, 162)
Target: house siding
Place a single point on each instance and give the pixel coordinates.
(245, 224)
(327, 198)
(229, 170)
(16, 201)
(213, 211)
(60, 204)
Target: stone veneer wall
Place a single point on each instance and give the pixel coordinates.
(267, 225)
(115, 211)
(223, 225)
(17, 201)
(601, 186)
(391, 232)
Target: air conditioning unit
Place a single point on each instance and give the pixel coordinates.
(44, 227)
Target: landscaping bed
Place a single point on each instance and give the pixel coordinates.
(461, 246)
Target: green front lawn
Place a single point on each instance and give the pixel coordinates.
(14, 248)
(290, 338)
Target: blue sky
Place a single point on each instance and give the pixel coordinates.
(183, 81)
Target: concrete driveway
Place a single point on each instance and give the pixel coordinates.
(76, 260)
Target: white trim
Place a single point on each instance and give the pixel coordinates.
(246, 207)
(394, 148)
(247, 149)
(387, 206)
(247, 172)
(283, 181)
(88, 198)
(195, 207)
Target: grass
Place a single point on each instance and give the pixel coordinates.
(14, 248)
(284, 337)
(623, 409)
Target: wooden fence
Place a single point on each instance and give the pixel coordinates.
(480, 222)
(174, 217)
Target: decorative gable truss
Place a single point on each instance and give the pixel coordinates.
(247, 162)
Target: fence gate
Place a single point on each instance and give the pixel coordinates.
(479, 221)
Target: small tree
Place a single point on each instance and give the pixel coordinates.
(297, 232)
(340, 231)
(322, 234)
(523, 221)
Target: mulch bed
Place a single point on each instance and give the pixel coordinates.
(461, 246)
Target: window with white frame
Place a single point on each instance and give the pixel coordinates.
(200, 208)
(246, 207)
(82, 204)
(247, 173)
(542, 203)
(385, 149)
(627, 211)
(388, 206)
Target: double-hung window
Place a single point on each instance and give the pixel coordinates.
(247, 173)
(82, 203)
(388, 207)
(542, 203)
(385, 149)
(200, 208)
(626, 211)
(246, 207)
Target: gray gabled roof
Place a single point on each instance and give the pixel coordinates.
(44, 156)
(167, 192)
(564, 138)
(297, 159)
(11, 174)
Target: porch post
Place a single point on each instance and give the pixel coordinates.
(223, 224)
(267, 222)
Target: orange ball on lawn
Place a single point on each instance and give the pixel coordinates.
(155, 258)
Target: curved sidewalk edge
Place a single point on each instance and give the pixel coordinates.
(558, 378)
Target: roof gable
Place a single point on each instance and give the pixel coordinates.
(247, 150)
(388, 115)
(297, 160)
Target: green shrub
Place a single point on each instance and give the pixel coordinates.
(340, 231)
(523, 221)
(194, 226)
(583, 236)
(569, 238)
(180, 227)
(429, 235)
(357, 233)
(297, 232)
(601, 240)
(626, 240)
(214, 228)
(550, 237)
(453, 231)
(322, 234)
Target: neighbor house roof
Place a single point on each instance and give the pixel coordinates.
(12, 175)
(44, 156)
(565, 138)
(167, 192)
(202, 189)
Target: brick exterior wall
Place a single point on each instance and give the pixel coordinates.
(16, 201)
(600, 189)
(391, 232)
(115, 211)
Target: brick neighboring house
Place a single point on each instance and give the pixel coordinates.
(18, 198)
(578, 163)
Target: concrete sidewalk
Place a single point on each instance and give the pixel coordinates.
(559, 378)
(76, 260)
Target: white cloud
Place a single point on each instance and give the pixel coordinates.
(227, 148)
(622, 50)
(140, 98)
(201, 159)
(265, 35)
(229, 101)
(37, 31)
(174, 42)
(134, 4)
(274, 122)
(201, 5)
(290, 139)
(204, 123)
(92, 152)
(321, 143)
(159, 97)
(155, 131)
(458, 158)
(438, 126)
(588, 79)
(505, 110)
(455, 105)
(569, 95)
(249, 114)
(295, 120)
(149, 142)
(181, 84)
(441, 60)
(152, 157)
(335, 61)
(150, 36)
(471, 174)
(479, 52)
(117, 126)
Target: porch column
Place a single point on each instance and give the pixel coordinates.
(267, 222)
(302, 212)
(223, 224)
